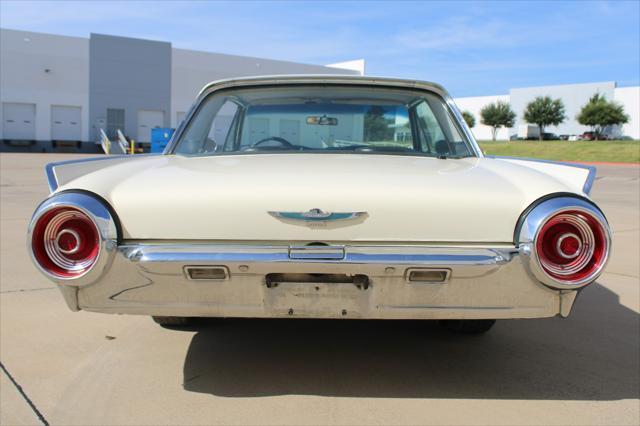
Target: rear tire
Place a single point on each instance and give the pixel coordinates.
(172, 321)
(468, 326)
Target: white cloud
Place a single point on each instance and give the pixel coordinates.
(458, 32)
(480, 32)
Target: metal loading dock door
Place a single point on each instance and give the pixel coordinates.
(65, 123)
(18, 121)
(147, 120)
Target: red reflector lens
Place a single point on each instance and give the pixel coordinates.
(68, 241)
(65, 242)
(571, 246)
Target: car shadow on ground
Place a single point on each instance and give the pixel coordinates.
(593, 355)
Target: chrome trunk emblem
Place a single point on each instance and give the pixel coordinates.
(317, 215)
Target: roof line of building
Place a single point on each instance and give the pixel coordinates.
(255, 58)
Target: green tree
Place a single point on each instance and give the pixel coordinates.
(377, 127)
(469, 118)
(598, 113)
(496, 115)
(544, 112)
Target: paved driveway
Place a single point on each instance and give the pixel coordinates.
(84, 368)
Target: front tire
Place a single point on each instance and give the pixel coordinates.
(172, 321)
(468, 326)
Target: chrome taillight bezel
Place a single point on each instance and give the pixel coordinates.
(99, 215)
(535, 219)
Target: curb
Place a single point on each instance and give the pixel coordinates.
(602, 163)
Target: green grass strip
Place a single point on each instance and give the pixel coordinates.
(588, 151)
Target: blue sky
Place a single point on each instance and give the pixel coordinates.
(472, 48)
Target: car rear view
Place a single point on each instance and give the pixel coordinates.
(321, 197)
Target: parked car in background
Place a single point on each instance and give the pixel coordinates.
(321, 197)
(564, 137)
(592, 136)
(550, 137)
(588, 136)
(514, 137)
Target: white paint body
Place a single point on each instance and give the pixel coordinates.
(239, 215)
(407, 198)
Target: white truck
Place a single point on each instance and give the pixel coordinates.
(528, 131)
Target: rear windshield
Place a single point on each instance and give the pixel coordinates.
(315, 119)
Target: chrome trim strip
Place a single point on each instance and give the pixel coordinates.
(186, 254)
(52, 181)
(316, 252)
(135, 285)
(538, 217)
(327, 79)
(398, 255)
(588, 183)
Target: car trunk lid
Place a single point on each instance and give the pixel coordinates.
(387, 198)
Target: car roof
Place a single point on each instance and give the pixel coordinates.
(323, 79)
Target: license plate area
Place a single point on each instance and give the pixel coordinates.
(317, 295)
(359, 280)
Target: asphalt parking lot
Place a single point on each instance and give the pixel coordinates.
(85, 368)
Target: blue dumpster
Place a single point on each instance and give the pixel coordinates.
(160, 137)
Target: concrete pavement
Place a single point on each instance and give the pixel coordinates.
(84, 368)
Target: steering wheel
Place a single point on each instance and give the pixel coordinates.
(282, 141)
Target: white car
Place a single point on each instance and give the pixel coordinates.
(322, 197)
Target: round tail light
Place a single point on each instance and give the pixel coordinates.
(572, 246)
(65, 242)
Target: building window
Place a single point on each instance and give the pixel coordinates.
(115, 122)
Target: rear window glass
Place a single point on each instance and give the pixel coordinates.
(323, 119)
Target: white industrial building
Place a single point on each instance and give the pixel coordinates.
(57, 88)
(573, 96)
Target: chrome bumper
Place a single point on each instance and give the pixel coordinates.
(151, 279)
